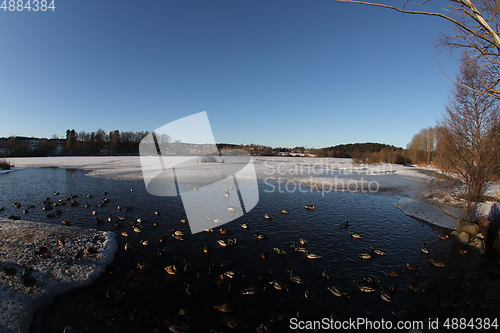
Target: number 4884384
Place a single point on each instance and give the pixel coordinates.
(20, 5)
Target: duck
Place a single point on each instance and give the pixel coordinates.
(377, 251)
(311, 207)
(462, 251)
(120, 207)
(128, 247)
(345, 225)
(294, 278)
(312, 255)
(371, 279)
(89, 250)
(284, 211)
(356, 236)
(232, 275)
(143, 265)
(190, 290)
(365, 256)
(209, 230)
(337, 291)
(144, 242)
(177, 237)
(205, 249)
(424, 249)
(413, 267)
(363, 287)
(264, 255)
(155, 224)
(278, 285)
(326, 273)
(443, 237)
(138, 220)
(308, 293)
(224, 231)
(437, 263)
(244, 226)
(157, 212)
(223, 263)
(218, 220)
(172, 270)
(121, 218)
(183, 220)
(251, 290)
(164, 251)
(303, 241)
(136, 229)
(268, 216)
(279, 251)
(385, 296)
(177, 232)
(395, 273)
(298, 249)
(188, 268)
(66, 222)
(222, 243)
(260, 236)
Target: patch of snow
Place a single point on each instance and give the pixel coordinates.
(59, 269)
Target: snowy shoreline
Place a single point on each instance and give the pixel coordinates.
(406, 183)
(35, 266)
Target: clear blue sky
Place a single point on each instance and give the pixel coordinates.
(275, 72)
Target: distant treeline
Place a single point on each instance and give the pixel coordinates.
(353, 149)
(76, 144)
(127, 143)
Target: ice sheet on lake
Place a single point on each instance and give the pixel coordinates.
(59, 269)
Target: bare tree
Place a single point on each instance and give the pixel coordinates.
(466, 136)
(422, 146)
(477, 24)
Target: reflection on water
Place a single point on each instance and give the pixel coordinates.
(126, 299)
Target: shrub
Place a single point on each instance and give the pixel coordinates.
(5, 165)
(208, 159)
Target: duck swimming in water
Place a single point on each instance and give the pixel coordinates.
(413, 267)
(311, 207)
(356, 236)
(377, 251)
(337, 291)
(437, 263)
(312, 255)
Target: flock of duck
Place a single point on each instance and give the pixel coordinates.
(235, 282)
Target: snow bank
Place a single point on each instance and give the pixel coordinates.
(407, 183)
(56, 270)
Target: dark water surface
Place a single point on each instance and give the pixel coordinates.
(127, 299)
